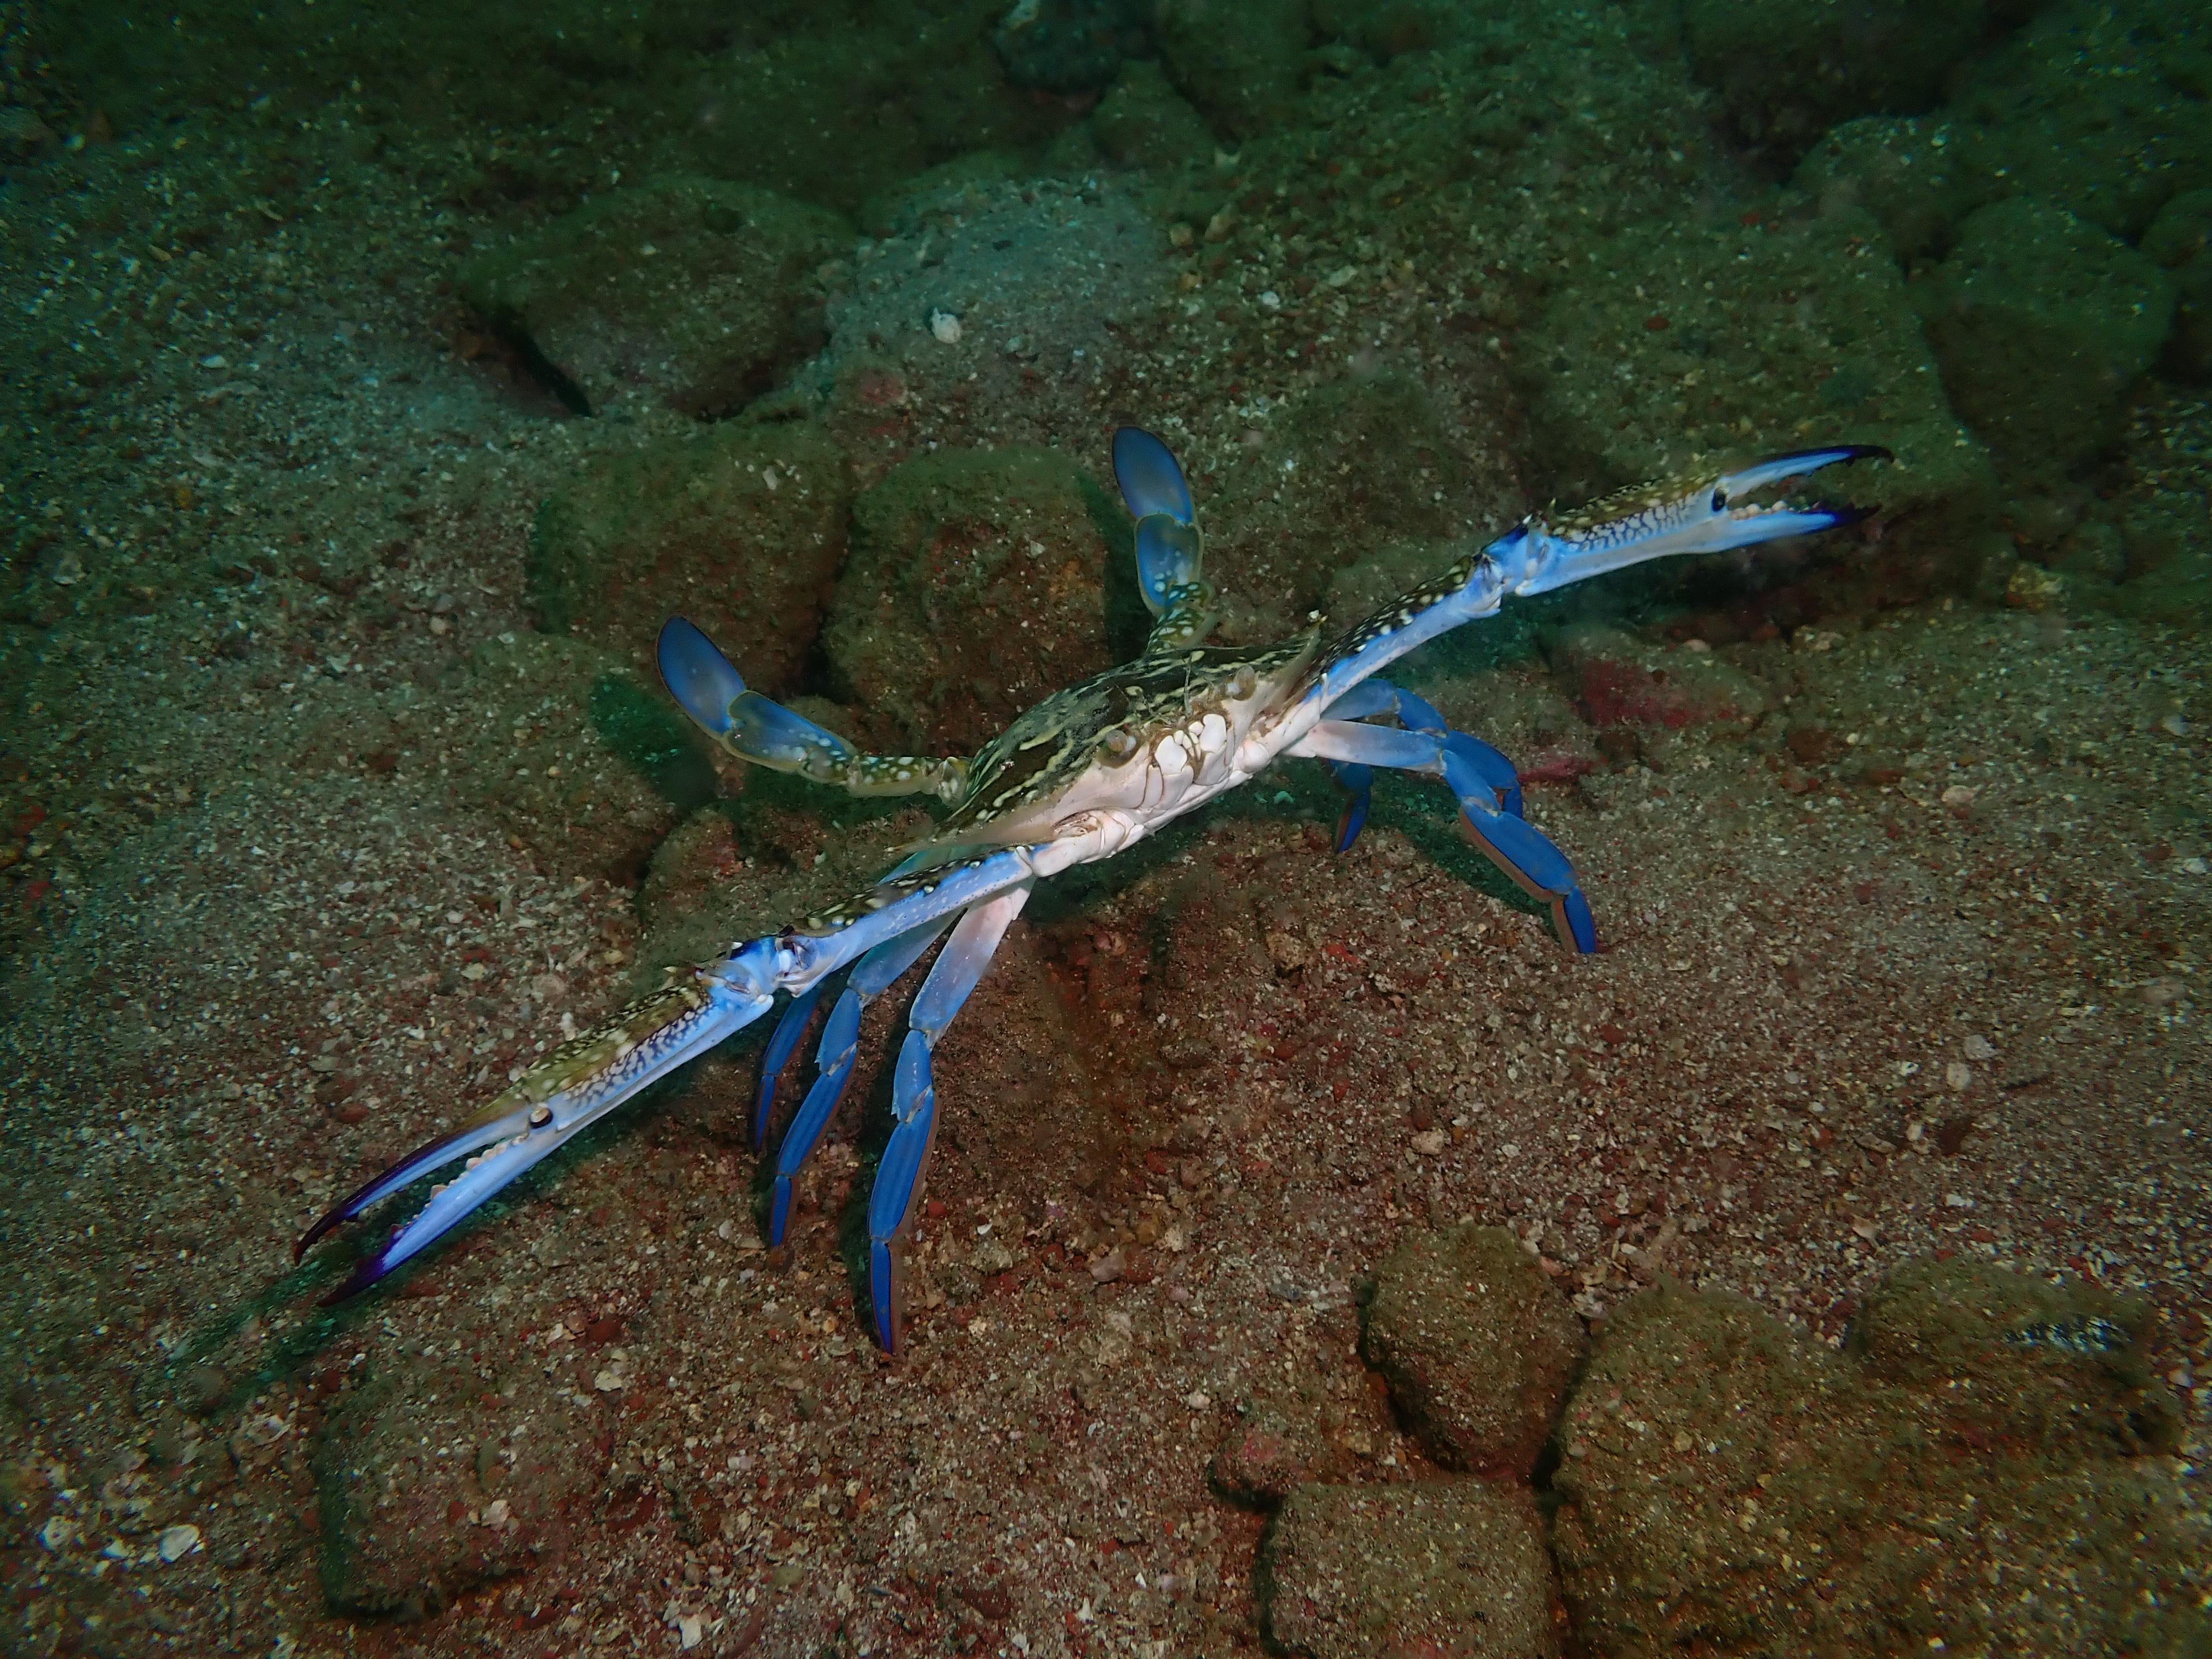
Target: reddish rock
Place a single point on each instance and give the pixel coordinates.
(1620, 680)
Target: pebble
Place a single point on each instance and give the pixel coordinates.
(176, 1542)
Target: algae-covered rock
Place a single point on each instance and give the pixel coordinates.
(840, 113)
(1279, 1445)
(2044, 323)
(1144, 122)
(2104, 109)
(704, 291)
(1787, 71)
(2180, 240)
(1970, 1474)
(1070, 45)
(1477, 1344)
(978, 584)
(581, 765)
(1447, 1569)
(1915, 175)
(1684, 346)
(1239, 61)
(740, 528)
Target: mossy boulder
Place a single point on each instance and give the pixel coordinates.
(1144, 122)
(1978, 1470)
(1786, 72)
(1683, 347)
(978, 584)
(2044, 323)
(838, 114)
(702, 292)
(1445, 1568)
(1239, 61)
(1477, 1345)
(740, 528)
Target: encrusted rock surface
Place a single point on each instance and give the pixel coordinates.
(740, 528)
(699, 290)
(1478, 1346)
(1447, 1569)
(977, 584)
(1977, 1472)
(2044, 323)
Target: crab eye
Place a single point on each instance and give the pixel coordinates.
(1719, 501)
(1115, 741)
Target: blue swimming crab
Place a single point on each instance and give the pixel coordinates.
(1085, 773)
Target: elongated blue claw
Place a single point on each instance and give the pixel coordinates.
(574, 1087)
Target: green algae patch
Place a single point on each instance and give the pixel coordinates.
(979, 584)
(1979, 1471)
(1685, 347)
(2044, 323)
(704, 292)
(739, 527)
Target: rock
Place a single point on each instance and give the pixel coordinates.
(2044, 323)
(1266, 1453)
(1477, 1345)
(1684, 346)
(2099, 108)
(1913, 174)
(576, 760)
(978, 584)
(1618, 679)
(1144, 122)
(1788, 72)
(838, 113)
(405, 1533)
(1240, 65)
(1070, 45)
(701, 291)
(1447, 1569)
(2181, 240)
(1728, 1485)
(740, 528)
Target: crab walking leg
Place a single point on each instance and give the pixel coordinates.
(872, 976)
(775, 1060)
(1526, 856)
(956, 971)
(581, 1083)
(754, 728)
(1373, 698)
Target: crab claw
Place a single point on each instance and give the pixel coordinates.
(571, 1089)
(751, 726)
(1150, 479)
(1704, 514)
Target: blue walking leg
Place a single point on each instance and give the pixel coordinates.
(1525, 856)
(874, 974)
(899, 1176)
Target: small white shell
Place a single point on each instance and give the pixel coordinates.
(945, 326)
